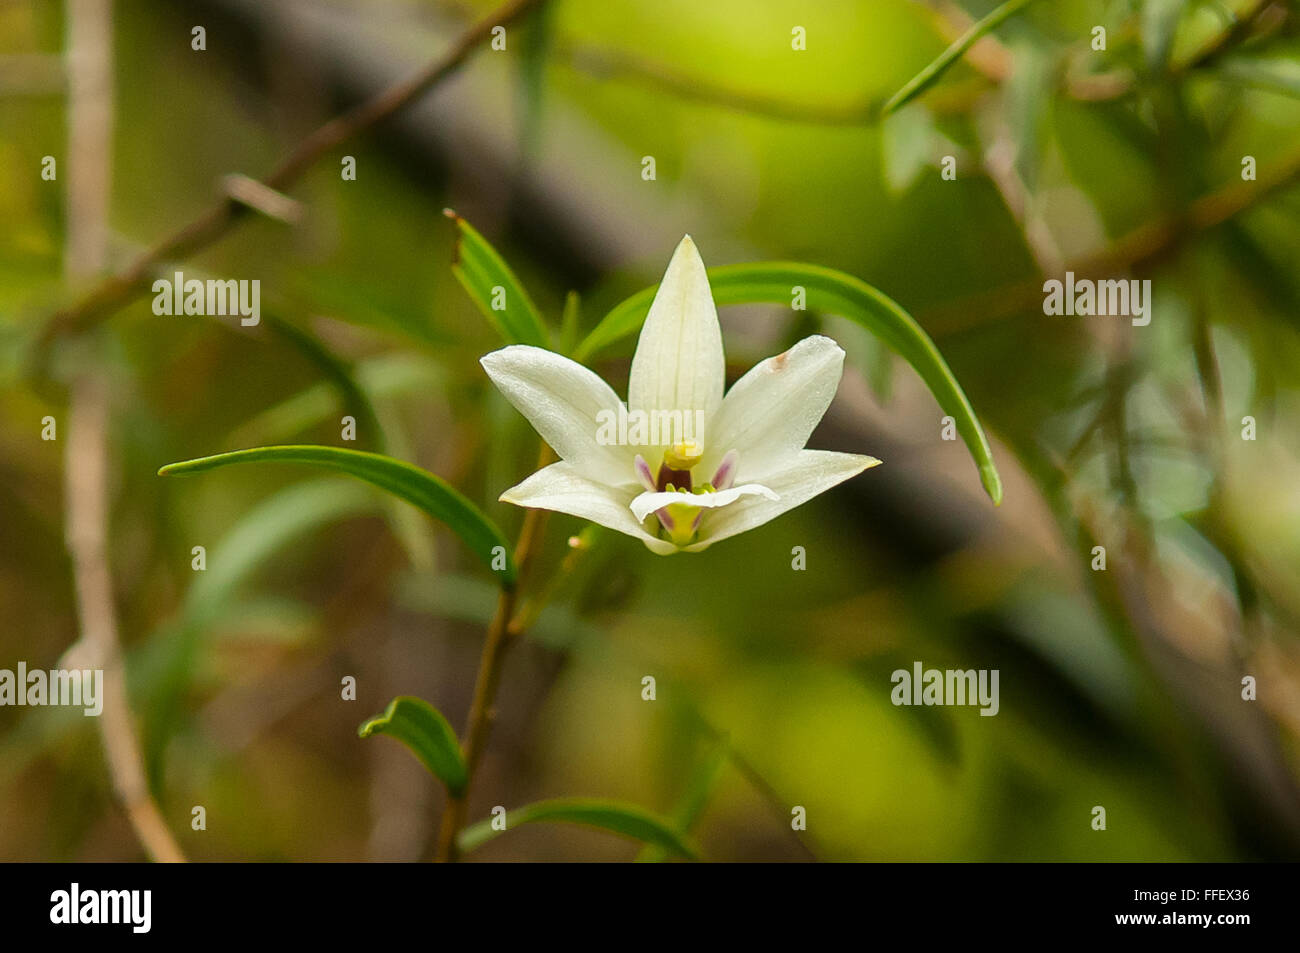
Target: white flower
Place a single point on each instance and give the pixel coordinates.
(750, 444)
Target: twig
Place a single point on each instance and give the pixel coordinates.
(86, 501)
(211, 224)
(1144, 246)
(90, 120)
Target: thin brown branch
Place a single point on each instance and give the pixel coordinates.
(1143, 247)
(86, 493)
(118, 290)
(478, 722)
(90, 123)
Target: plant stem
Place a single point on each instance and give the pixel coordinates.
(479, 720)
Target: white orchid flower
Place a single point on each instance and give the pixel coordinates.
(749, 443)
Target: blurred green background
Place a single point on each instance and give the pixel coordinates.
(1120, 688)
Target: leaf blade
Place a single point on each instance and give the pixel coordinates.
(419, 487)
(923, 80)
(839, 293)
(423, 729)
(627, 820)
(480, 269)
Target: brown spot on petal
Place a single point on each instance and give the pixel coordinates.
(779, 362)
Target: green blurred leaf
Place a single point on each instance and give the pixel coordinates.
(1278, 74)
(1160, 19)
(837, 293)
(480, 269)
(695, 797)
(618, 818)
(423, 729)
(160, 670)
(906, 139)
(340, 373)
(923, 80)
(419, 487)
(570, 320)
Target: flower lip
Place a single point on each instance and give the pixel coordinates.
(647, 503)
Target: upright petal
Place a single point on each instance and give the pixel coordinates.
(811, 472)
(560, 487)
(769, 414)
(566, 403)
(678, 365)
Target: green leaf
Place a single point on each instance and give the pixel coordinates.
(906, 140)
(339, 372)
(480, 270)
(418, 487)
(834, 292)
(1160, 19)
(421, 727)
(618, 818)
(923, 80)
(699, 788)
(1278, 74)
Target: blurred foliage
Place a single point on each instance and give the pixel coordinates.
(1120, 688)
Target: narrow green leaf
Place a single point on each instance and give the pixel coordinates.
(419, 487)
(618, 818)
(421, 727)
(833, 292)
(1160, 19)
(485, 275)
(339, 372)
(570, 320)
(923, 80)
(699, 788)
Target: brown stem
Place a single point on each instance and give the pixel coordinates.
(478, 722)
(86, 494)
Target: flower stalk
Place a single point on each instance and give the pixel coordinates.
(478, 722)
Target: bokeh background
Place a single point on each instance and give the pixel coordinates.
(1120, 688)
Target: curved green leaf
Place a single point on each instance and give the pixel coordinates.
(430, 493)
(618, 818)
(421, 727)
(940, 65)
(837, 293)
(480, 269)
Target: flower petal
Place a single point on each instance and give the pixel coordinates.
(647, 503)
(560, 487)
(812, 472)
(769, 414)
(564, 402)
(678, 364)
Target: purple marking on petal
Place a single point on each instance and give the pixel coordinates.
(726, 474)
(695, 523)
(643, 473)
(665, 518)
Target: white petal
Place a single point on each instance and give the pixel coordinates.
(564, 402)
(560, 487)
(769, 414)
(812, 472)
(678, 364)
(647, 503)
